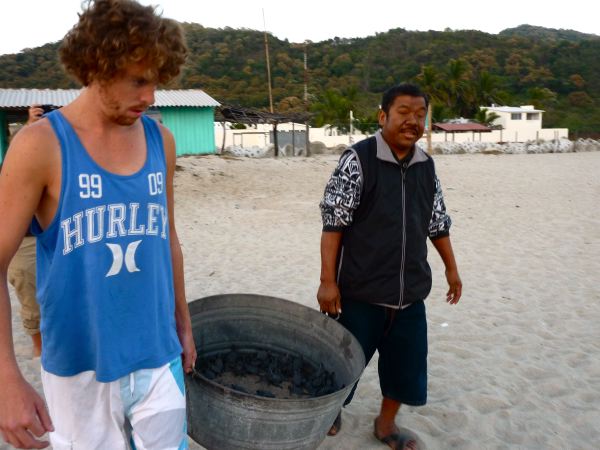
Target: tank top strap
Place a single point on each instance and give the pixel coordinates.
(154, 140)
(66, 135)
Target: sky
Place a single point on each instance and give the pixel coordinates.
(32, 23)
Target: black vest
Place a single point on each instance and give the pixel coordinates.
(384, 252)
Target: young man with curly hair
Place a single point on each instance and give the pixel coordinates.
(97, 176)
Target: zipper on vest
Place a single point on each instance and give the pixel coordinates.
(403, 259)
(339, 270)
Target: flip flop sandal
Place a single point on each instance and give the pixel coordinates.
(396, 441)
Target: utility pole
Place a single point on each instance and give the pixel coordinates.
(351, 138)
(429, 127)
(268, 65)
(306, 96)
(305, 76)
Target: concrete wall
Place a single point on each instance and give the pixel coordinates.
(261, 135)
(514, 135)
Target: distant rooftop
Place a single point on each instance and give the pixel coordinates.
(512, 109)
(461, 127)
(23, 98)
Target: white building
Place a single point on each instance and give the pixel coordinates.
(521, 124)
(514, 124)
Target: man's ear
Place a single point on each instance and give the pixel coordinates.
(381, 116)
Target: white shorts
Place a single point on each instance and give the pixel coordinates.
(144, 410)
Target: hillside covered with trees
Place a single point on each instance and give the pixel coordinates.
(554, 70)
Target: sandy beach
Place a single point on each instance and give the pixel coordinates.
(515, 365)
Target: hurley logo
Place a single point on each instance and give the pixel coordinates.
(117, 253)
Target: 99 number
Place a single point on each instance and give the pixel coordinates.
(91, 185)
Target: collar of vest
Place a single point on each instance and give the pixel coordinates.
(384, 152)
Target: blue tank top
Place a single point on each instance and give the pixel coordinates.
(104, 272)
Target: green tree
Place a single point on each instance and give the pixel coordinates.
(484, 117)
(431, 82)
(333, 108)
(580, 99)
(459, 99)
(541, 97)
(487, 90)
(367, 123)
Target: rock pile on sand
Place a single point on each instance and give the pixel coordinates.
(438, 148)
(559, 146)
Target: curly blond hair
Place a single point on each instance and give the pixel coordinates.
(112, 34)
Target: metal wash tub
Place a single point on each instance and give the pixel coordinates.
(222, 418)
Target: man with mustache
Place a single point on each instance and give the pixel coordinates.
(380, 205)
(97, 176)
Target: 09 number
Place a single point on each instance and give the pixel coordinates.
(155, 183)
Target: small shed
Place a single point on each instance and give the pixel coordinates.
(189, 114)
(251, 116)
(462, 127)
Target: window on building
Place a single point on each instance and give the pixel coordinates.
(533, 116)
(515, 116)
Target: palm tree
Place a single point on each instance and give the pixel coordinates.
(484, 117)
(333, 108)
(432, 84)
(459, 98)
(487, 90)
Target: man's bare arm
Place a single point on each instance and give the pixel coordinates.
(444, 248)
(328, 294)
(182, 313)
(23, 183)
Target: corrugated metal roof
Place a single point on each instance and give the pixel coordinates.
(23, 98)
(184, 97)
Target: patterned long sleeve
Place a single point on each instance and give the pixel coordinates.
(342, 193)
(440, 223)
